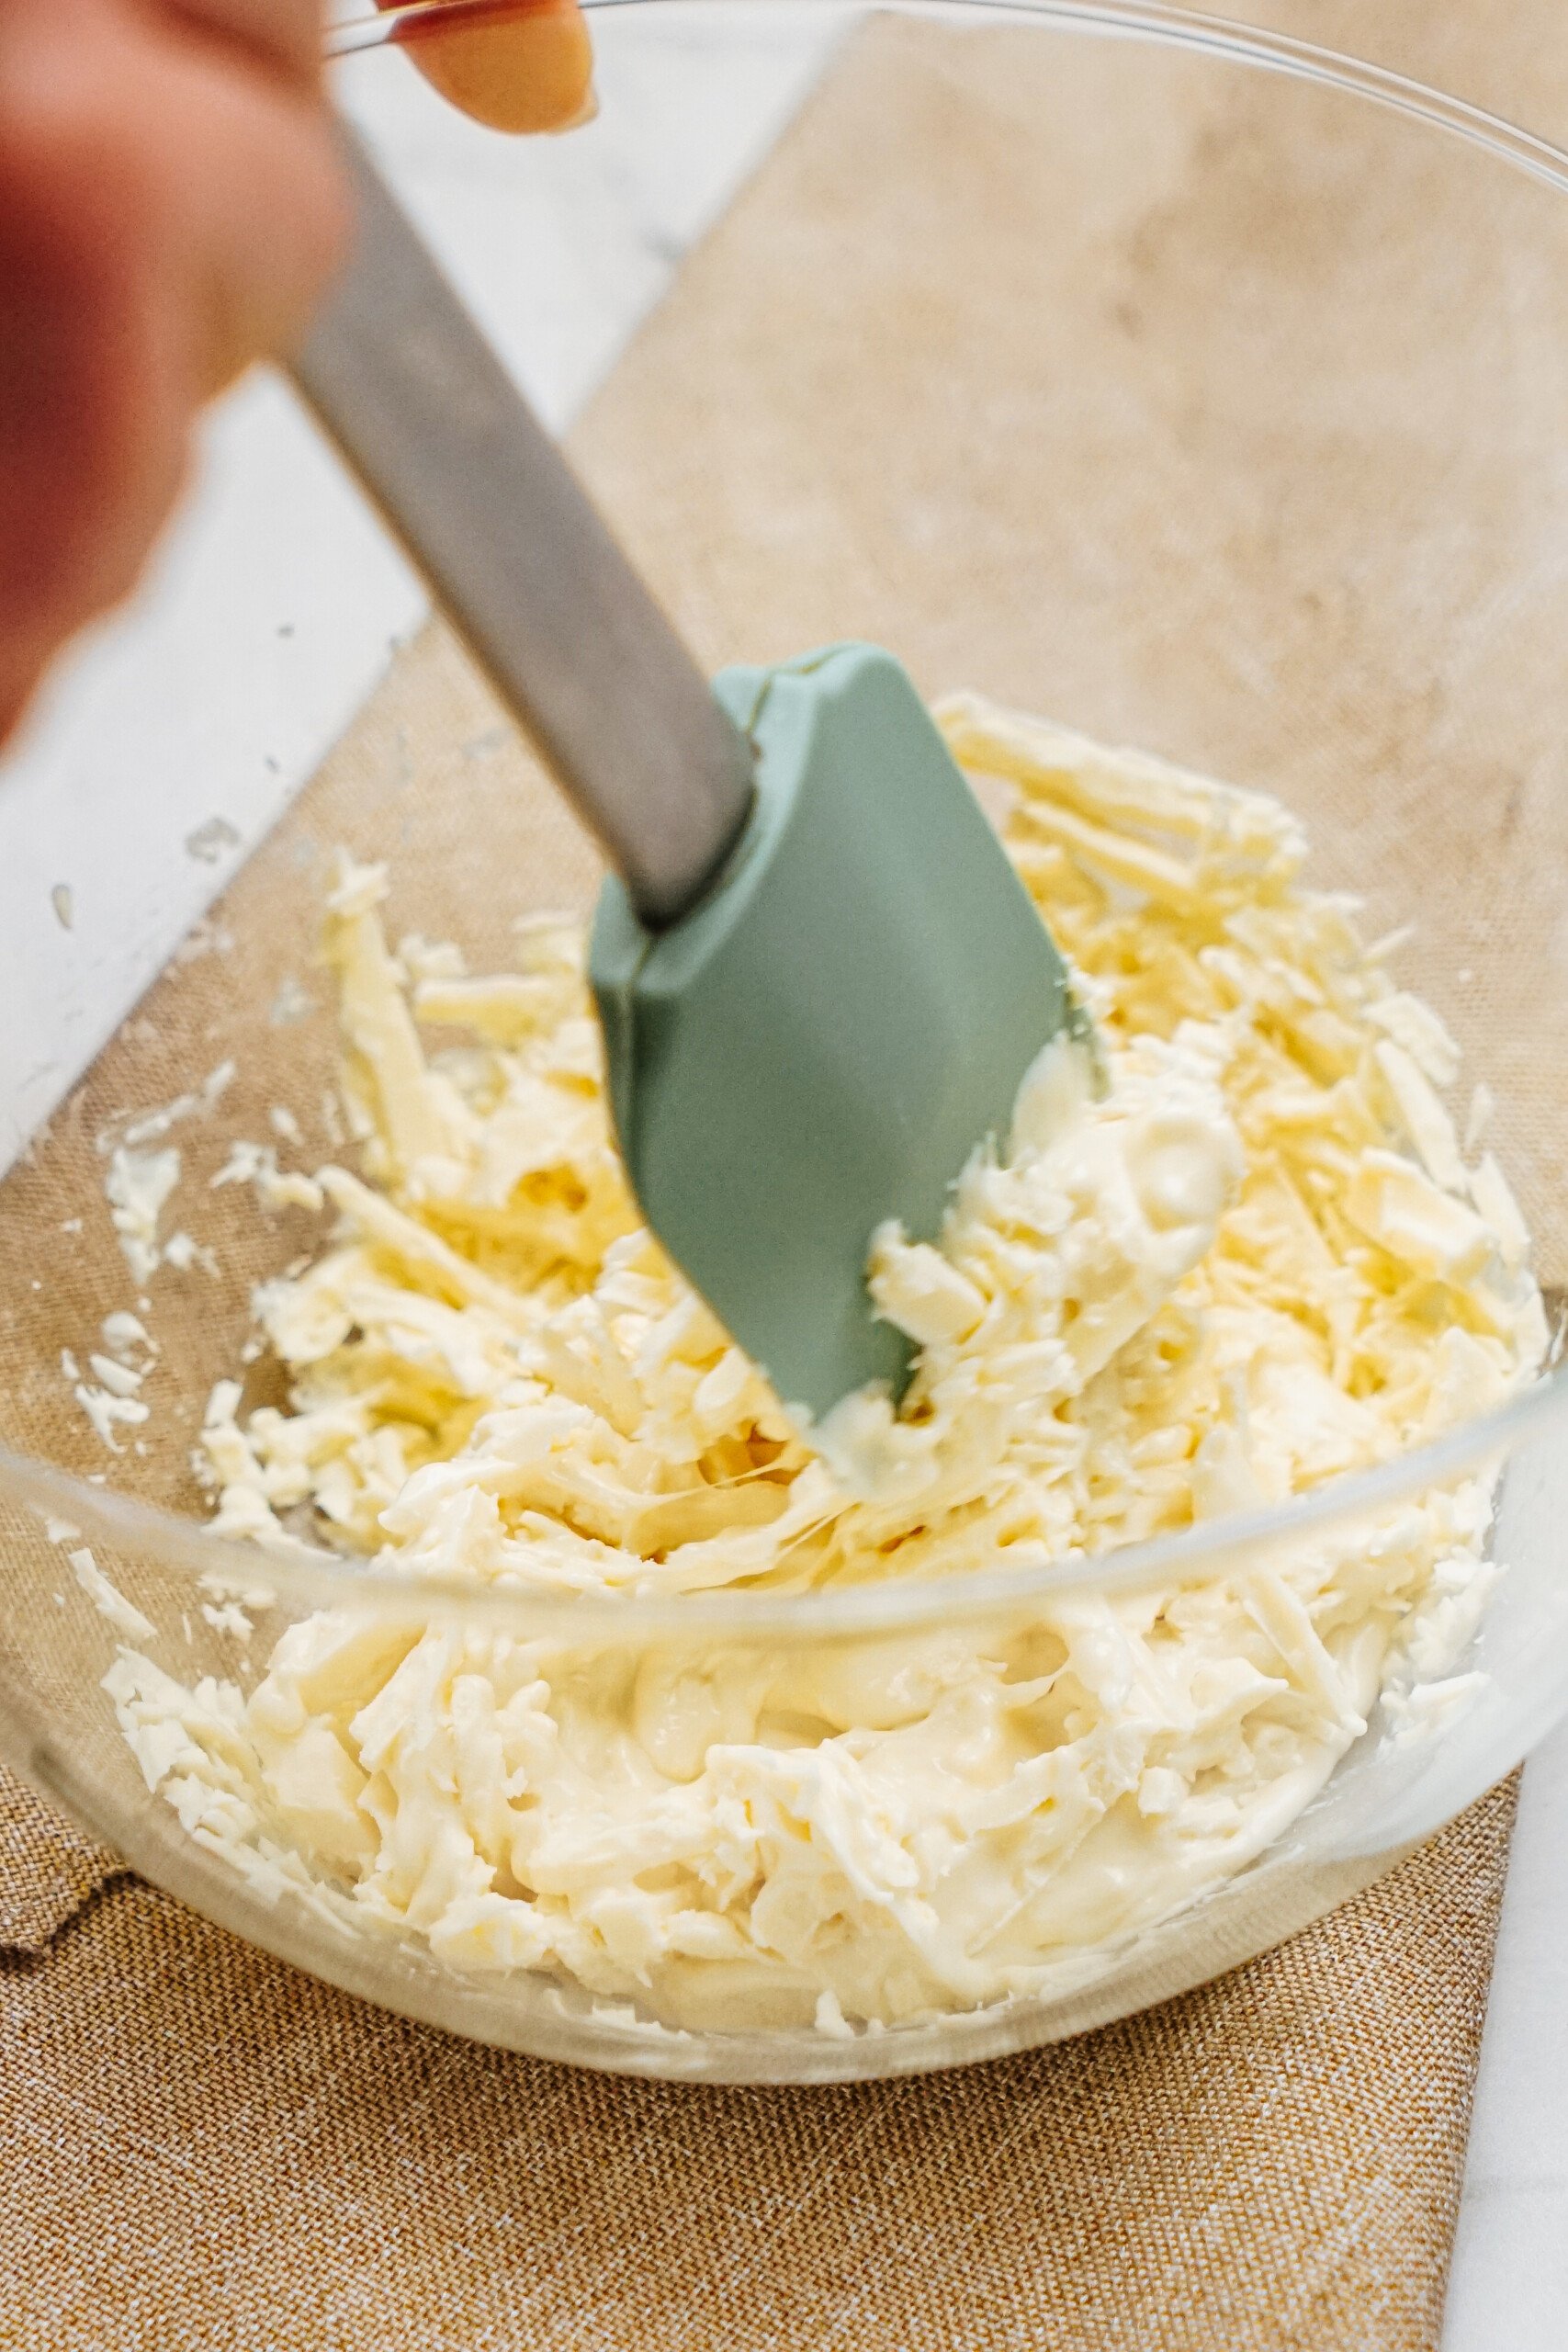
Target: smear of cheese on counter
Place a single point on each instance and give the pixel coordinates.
(1255, 1260)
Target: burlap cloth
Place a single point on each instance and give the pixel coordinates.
(203, 2147)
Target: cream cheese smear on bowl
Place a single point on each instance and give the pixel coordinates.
(1244, 1255)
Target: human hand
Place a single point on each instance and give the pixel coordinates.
(171, 205)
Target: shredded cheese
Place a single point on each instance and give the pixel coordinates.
(1255, 1261)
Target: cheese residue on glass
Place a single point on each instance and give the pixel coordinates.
(1248, 1260)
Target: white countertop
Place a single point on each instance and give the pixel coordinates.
(1509, 2290)
(272, 613)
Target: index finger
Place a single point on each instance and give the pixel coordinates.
(515, 65)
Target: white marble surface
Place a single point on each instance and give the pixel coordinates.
(1508, 2291)
(270, 615)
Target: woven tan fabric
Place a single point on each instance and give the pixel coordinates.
(48, 1868)
(205, 2148)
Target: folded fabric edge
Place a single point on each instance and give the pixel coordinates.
(49, 1868)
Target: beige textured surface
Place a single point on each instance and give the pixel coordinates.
(203, 2147)
(48, 1868)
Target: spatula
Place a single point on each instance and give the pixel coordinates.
(819, 980)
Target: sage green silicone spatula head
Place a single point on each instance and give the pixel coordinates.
(823, 1041)
(820, 981)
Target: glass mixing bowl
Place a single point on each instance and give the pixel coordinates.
(1206, 392)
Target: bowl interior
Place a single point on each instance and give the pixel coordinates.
(1196, 407)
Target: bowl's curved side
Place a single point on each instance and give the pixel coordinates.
(1283, 1893)
(1388, 1794)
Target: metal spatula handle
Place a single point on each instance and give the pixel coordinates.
(513, 550)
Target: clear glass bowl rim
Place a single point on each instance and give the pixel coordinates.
(317, 1578)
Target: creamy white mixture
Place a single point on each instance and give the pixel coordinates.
(1254, 1259)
